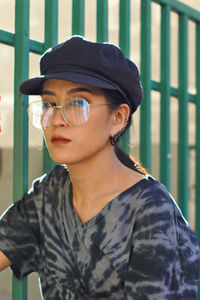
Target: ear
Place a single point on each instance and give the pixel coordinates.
(120, 117)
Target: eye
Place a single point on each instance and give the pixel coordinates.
(46, 104)
(78, 102)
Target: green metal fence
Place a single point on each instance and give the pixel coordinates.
(24, 45)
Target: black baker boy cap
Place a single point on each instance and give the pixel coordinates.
(101, 65)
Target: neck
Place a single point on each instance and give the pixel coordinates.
(92, 177)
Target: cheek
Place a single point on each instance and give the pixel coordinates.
(90, 138)
(98, 128)
(46, 135)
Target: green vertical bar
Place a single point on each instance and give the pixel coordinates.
(102, 21)
(51, 39)
(78, 17)
(197, 189)
(51, 23)
(197, 208)
(124, 44)
(165, 98)
(20, 151)
(145, 116)
(124, 27)
(183, 116)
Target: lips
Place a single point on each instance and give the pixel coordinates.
(59, 140)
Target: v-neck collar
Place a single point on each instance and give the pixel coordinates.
(70, 211)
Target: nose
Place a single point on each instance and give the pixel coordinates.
(57, 119)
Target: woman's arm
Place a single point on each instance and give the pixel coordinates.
(20, 234)
(4, 261)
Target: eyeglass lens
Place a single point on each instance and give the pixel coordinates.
(75, 112)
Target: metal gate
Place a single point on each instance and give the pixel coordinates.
(23, 45)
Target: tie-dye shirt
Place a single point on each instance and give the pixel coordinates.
(138, 247)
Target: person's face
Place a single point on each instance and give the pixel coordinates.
(72, 144)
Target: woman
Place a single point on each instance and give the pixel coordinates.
(100, 228)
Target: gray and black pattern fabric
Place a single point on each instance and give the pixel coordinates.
(138, 247)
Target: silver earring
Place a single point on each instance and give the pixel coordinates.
(114, 139)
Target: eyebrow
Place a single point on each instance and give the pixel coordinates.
(80, 89)
(47, 92)
(72, 91)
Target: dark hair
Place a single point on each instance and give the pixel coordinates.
(115, 99)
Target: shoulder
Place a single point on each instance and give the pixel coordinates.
(31, 207)
(40, 191)
(156, 199)
(51, 180)
(153, 187)
(156, 213)
(149, 194)
(160, 215)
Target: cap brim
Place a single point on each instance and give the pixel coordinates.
(34, 86)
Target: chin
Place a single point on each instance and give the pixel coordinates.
(71, 159)
(60, 160)
(64, 158)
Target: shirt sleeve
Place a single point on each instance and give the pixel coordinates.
(20, 233)
(165, 257)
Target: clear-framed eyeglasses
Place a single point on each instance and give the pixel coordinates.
(75, 112)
